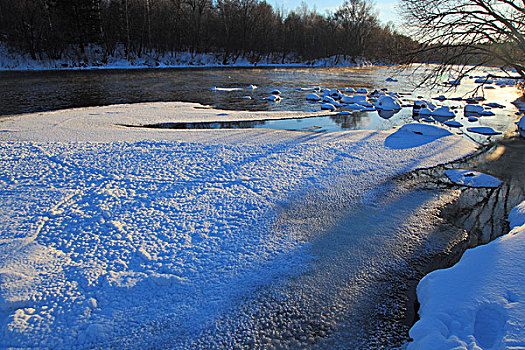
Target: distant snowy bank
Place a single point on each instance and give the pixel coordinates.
(93, 58)
(479, 302)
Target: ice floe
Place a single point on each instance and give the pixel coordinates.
(472, 178)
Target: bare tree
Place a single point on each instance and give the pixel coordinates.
(461, 35)
(357, 19)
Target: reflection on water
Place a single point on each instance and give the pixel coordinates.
(329, 123)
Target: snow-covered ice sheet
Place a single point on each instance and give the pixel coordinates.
(105, 230)
(479, 302)
(106, 123)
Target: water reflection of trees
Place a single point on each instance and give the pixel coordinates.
(349, 121)
(482, 212)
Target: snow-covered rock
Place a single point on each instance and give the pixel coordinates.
(362, 91)
(313, 97)
(415, 135)
(275, 92)
(328, 106)
(329, 99)
(453, 124)
(354, 106)
(453, 82)
(494, 105)
(273, 98)
(485, 81)
(486, 113)
(424, 111)
(484, 130)
(473, 109)
(354, 99)
(424, 104)
(517, 215)
(388, 103)
(443, 114)
(252, 87)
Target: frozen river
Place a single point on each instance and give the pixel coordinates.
(247, 238)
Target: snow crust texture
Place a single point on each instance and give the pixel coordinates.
(479, 302)
(107, 230)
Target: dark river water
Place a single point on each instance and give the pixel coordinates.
(25, 92)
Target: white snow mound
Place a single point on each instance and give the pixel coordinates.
(480, 302)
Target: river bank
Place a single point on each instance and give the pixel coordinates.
(481, 212)
(93, 59)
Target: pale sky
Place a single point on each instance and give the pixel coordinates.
(387, 8)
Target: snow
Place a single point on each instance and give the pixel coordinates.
(478, 303)
(109, 231)
(471, 178)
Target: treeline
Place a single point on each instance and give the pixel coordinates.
(233, 28)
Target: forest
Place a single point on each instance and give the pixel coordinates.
(252, 29)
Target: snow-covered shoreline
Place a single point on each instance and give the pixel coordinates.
(93, 60)
(107, 229)
(477, 303)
